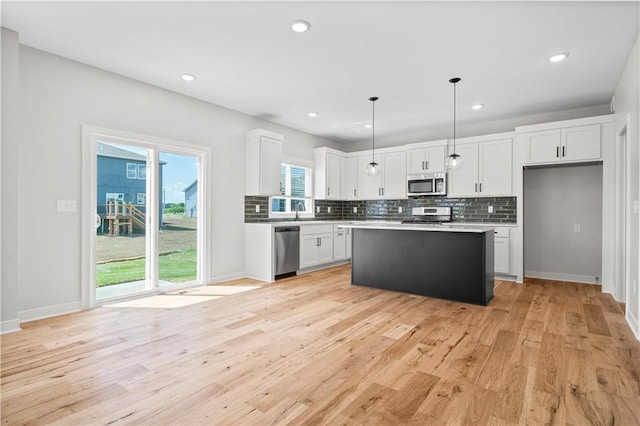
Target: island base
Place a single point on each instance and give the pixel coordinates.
(449, 265)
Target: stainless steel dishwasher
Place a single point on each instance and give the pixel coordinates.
(287, 247)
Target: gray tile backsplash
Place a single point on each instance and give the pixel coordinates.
(464, 209)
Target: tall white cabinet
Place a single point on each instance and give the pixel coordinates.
(263, 162)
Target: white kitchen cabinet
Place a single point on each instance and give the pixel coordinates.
(349, 176)
(501, 251)
(316, 245)
(486, 170)
(392, 180)
(327, 174)
(426, 159)
(339, 244)
(571, 144)
(263, 162)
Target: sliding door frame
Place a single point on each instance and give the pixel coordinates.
(90, 136)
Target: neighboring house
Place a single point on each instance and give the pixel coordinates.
(122, 177)
(191, 200)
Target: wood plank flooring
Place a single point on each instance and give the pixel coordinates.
(315, 350)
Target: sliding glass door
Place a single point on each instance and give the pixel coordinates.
(147, 213)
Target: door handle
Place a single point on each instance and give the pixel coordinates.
(328, 191)
(423, 165)
(426, 165)
(480, 187)
(557, 152)
(476, 188)
(317, 242)
(563, 151)
(354, 192)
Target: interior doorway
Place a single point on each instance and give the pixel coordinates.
(622, 215)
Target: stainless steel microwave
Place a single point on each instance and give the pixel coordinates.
(427, 184)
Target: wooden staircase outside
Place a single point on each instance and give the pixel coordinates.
(123, 215)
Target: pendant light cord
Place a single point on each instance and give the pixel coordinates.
(373, 129)
(454, 118)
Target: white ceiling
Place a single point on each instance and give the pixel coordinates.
(247, 58)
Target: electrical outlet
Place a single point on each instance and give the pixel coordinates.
(66, 206)
(399, 209)
(328, 209)
(597, 279)
(317, 209)
(576, 228)
(258, 208)
(355, 210)
(490, 209)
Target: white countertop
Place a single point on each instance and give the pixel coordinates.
(385, 224)
(419, 227)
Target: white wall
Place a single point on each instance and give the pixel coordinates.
(627, 99)
(9, 171)
(57, 96)
(555, 200)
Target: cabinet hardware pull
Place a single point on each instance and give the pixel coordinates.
(563, 151)
(423, 165)
(426, 165)
(317, 242)
(382, 191)
(557, 152)
(328, 191)
(476, 188)
(480, 187)
(354, 192)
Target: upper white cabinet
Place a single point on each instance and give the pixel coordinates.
(327, 174)
(392, 180)
(263, 162)
(426, 157)
(349, 175)
(486, 170)
(569, 144)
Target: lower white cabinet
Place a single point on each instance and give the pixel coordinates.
(316, 245)
(501, 251)
(339, 245)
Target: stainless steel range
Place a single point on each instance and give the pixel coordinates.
(430, 215)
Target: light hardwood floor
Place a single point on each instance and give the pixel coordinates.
(315, 350)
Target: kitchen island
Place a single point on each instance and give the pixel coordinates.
(448, 262)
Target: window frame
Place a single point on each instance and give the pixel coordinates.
(309, 211)
(142, 171)
(132, 172)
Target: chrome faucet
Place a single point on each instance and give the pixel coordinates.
(298, 210)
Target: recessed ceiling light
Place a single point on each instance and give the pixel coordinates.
(559, 57)
(188, 77)
(300, 26)
(368, 126)
(477, 106)
(313, 114)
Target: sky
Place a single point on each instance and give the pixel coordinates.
(179, 172)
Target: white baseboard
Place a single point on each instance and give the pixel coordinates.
(511, 278)
(9, 326)
(633, 324)
(227, 277)
(585, 279)
(49, 311)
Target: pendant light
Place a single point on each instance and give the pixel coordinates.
(373, 168)
(454, 162)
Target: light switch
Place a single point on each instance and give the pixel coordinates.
(576, 228)
(317, 209)
(66, 206)
(490, 209)
(399, 209)
(328, 209)
(258, 208)
(355, 210)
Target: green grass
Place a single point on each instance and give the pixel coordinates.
(174, 267)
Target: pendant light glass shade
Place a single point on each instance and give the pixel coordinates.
(454, 162)
(373, 168)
